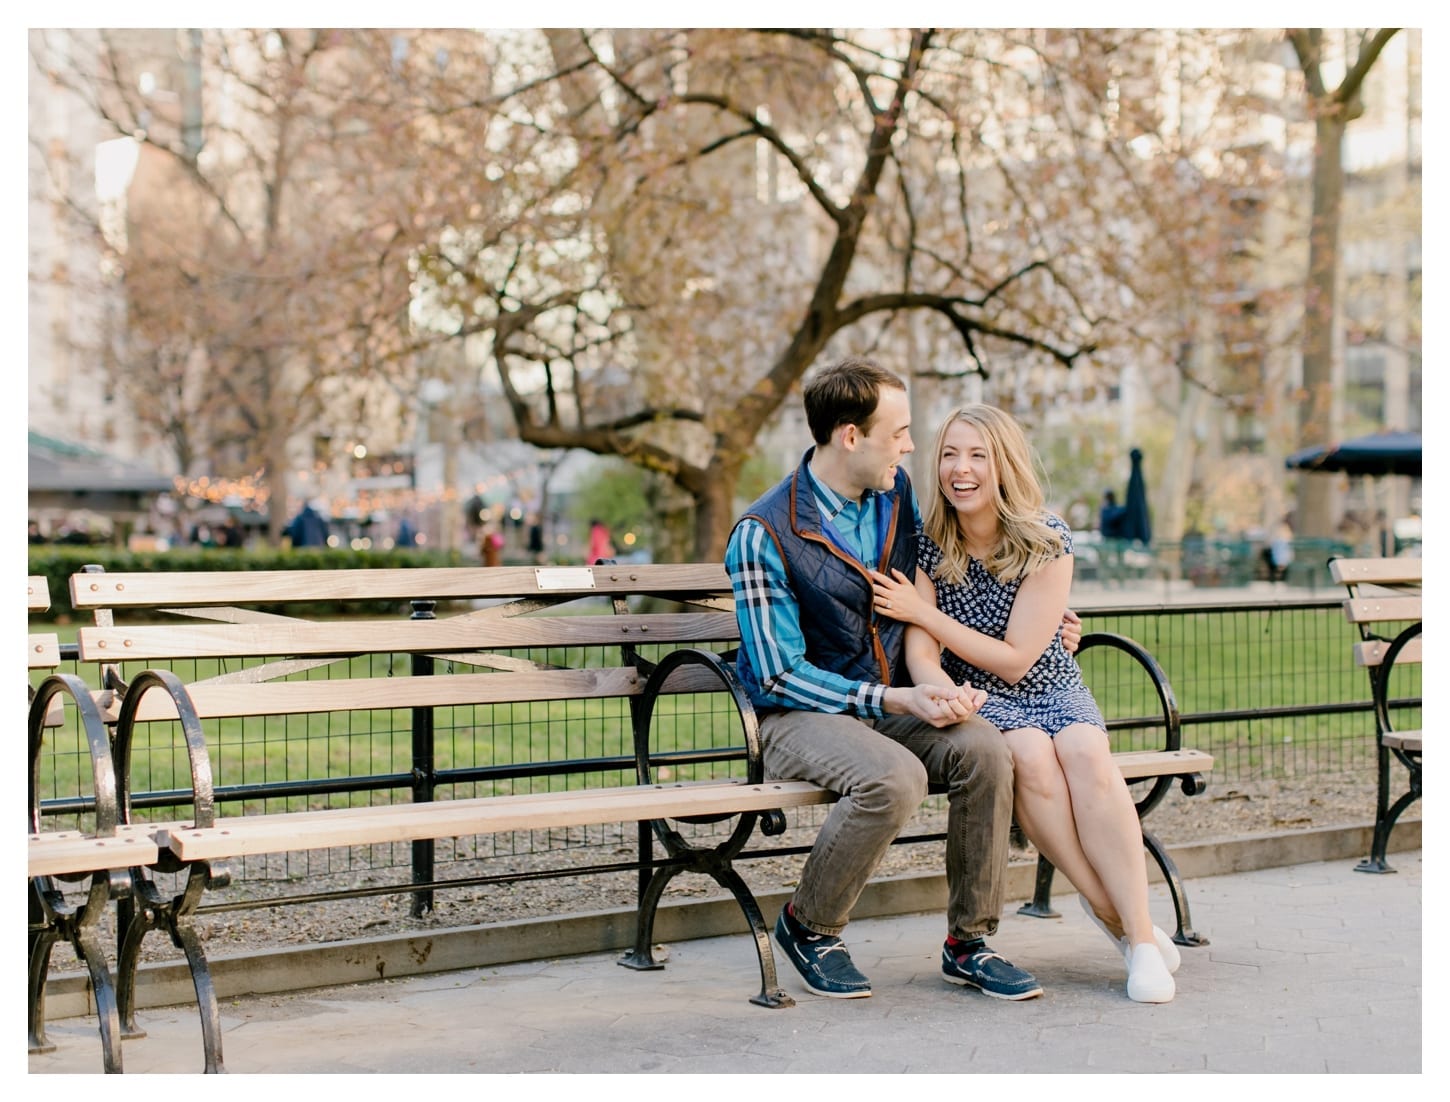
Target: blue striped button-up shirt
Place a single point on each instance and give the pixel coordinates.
(768, 613)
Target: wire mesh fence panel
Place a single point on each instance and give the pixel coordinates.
(1270, 690)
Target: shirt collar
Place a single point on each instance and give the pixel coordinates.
(834, 504)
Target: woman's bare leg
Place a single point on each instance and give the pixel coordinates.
(1107, 827)
(1045, 810)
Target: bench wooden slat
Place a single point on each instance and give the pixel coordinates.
(250, 835)
(1373, 610)
(1396, 571)
(1135, 764)
(1372, 654)
(39, 589)
(98, 644)
(1405, 740)
(217, 700)
(153, 590)
(363, 693)
(242, 836)
(44, 650)
(75, 853)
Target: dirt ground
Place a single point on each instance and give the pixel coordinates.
(1224, 811)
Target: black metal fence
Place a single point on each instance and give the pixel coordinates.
(1269, 689)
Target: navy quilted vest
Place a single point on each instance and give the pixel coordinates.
(833, 590)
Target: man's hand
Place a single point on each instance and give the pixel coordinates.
(1071, 631)
(939, 705)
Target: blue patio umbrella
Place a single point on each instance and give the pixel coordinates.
(1136, 524)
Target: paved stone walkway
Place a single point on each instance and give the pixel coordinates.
(1303, 975)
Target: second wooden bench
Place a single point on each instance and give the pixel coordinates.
(1384, 595)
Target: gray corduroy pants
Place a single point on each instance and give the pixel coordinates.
(882, 769)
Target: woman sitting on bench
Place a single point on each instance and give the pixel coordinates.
(994, 573)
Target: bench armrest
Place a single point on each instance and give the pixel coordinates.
(1381, 676)
(717, 669)
(1172, 722)
(203, 799)
(103, 770)
(677, 665)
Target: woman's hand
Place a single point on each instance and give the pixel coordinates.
(1071, 631)
(974, 697)
(897, 597)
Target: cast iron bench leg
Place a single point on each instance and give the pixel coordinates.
(132, 926)
(771, 994)
(88, 947)
(1185, 934)
(641, 957)
(41, 943)
(184, 935)
(1041, 904)
(52, 921)
(1376, 862)
(1385, 824)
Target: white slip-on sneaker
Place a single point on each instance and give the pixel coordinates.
(1171, 957)
(1148, 978)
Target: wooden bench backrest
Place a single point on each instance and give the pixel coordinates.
(458, 634)
(1381, 591)
(522, 619)
(1394, 571)
(44, 650)
(682, 581)
(215, 700)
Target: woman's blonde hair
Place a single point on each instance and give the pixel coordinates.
(1025, 542)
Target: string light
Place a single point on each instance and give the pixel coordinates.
(254, 494)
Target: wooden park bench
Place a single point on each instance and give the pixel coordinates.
(661, 621)
(1384, 604)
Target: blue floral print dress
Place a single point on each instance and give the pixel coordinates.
(1052, 694)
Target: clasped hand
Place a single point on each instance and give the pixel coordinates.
(939, 705)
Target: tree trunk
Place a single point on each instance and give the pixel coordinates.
(277, 480)
(715, 509)
(1177, 480)
(1320, 407)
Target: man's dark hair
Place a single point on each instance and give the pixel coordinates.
(845, 393)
